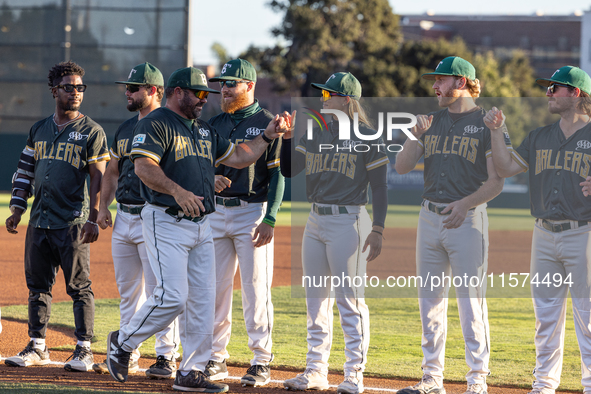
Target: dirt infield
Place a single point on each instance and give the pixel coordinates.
(509, 251)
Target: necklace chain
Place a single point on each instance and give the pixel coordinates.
(69, 121)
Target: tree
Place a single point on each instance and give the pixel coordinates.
(220, 53)
(327, 36)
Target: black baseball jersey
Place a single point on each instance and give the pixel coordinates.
(187, 155)
(128, 184)
(339, 176)
(61, 168)
(455, 155)
(556, 167)
(250, 184)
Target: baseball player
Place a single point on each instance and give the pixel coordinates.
(61, 151)
(175, 157)
(558, 157)
(247, 201)
(135, 279)
(452, 234)
(339, 238)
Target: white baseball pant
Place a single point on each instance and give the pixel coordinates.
(561, 254)
(135, 279)
(331, 247)
(453, 253)
(233, 229)
(181, 255)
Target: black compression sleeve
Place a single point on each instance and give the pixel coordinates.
(379, 193)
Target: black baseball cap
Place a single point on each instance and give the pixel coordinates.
(189, 78)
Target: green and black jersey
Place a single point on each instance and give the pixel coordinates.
(250, 184)
(128, 184)
(186, 151)
(455, 155)
(61, 167)
(556, 166)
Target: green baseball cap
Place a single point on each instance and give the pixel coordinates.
(342, 83)
(568, 75)
(144, 74)
(455, 66)
(237, 70)
(189, 78)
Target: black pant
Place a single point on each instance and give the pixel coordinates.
(45, 252)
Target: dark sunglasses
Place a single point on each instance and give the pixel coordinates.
(326, 95)
(69, 88)
(133, 88)
(231, 84)
(552, 87)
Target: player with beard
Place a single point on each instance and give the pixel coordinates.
(175, 155)
(133, 274)
(247, 201)
(558, 157)
(452, 234)
(61, 151)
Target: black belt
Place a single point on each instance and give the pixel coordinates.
(131, 210)
(434, 208)
(559, 227)
(328, 210)
(178, 218)
(228, 202)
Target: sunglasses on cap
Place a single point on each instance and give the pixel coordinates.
(69, 88)
(326, 95)
(133, 88)
(231, 84)
(552, 87)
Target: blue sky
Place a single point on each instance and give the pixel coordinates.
(238, 23)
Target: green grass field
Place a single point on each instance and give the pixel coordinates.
(395, 346)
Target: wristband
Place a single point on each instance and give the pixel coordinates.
(91, 222)
(377, 232)
(265, 138)
(269, 222)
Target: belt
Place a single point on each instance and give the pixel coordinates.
(130, 210)
(175, 214)
(434, 208)
(228, 202)
(328, 210)
(559, 227)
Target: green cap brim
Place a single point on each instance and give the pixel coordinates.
(130, 83)
(431, 76)
(204, 89)
(217, 79)
(547, 82)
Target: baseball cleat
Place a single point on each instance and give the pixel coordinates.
(162, 369)
(117, 358)
(256, 375)
(198, 381)
(82, 360)
(29, 356)
(309, 380)
(101, 368)
(351, 385)
(477, 388)
(215, 370)
(427, 385)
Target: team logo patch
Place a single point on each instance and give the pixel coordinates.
(76, 136)
(440, 63)
(139, 139)
(471, 129)
(204, 132)
(253, 132)
(329, 78)
(133, 71)
(583, 144)
(348, 143)
(203, 79)
(555, 72)
(226, 66)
